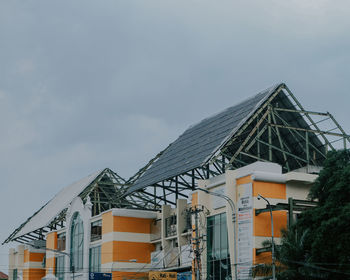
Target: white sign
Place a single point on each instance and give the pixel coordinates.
(157, 259)
(245, 231)
(186, 255)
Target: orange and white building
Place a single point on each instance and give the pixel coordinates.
(118, 243)
(129, 243)
(158, 221)
(243, 186)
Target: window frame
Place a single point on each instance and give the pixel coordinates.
(77, 243)
(218, 255)
(95, 259)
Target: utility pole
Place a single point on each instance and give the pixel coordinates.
(196, 239)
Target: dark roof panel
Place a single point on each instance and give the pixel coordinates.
(199, 142)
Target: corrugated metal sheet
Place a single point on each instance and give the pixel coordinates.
(199, 142)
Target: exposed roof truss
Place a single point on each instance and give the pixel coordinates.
(105, 192)
(279, 131)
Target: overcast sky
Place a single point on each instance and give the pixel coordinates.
(86, 85)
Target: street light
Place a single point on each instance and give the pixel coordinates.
(273, 244)
(233, 210)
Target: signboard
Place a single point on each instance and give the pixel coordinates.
(186, 255)
(157, 258)
(100, 276)
(160, 275)
(184, 275)
(171, 258)
(245, 231)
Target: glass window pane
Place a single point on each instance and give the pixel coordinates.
(223, 240)
(95, 259)
(77, 242)
(218, 260)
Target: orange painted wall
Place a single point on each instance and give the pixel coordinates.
(112, 223)
(269, 190)
(32, 257)
(107, 222)
(33, 274)
(50, 263)
(194, 199)
(262, 223)
(51, 240)
(129, 224)
(244, 180)
(26, 256)
(115, 251)
(107, 252)
(120, 275)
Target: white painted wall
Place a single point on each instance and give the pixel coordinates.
(77, 205)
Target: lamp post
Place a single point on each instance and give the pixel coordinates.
(273, 244)
(233, 210)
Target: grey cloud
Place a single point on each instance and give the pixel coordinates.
(88, 84)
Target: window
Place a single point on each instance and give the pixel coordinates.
(218, 257)
(61, 242)
(96, 230)
(59, 271)
(95, 259)
(156, 229)
(77, 243)
(170, 225)
(15, 274)
(188, 221)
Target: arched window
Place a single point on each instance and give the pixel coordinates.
(77, 243)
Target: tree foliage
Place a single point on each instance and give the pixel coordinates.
(317, 246)
(324, 229)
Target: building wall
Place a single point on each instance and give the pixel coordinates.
(33, 267)
(126, 241)
(28, 262)
(243, 186)
(16, 260)
(51, 243)
(134, 242)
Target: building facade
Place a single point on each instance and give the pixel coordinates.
(193, 237)
(252, 222)
(121, 243)
(174, 217)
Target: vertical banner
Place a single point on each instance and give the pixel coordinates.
(245, 231)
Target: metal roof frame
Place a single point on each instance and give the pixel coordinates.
(278, 129)
(105, 191)
(271, 126)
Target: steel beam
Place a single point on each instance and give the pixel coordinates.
(310, 130)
